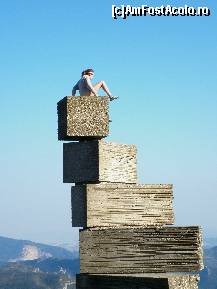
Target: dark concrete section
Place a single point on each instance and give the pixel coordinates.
(79, 206)
(83, 117)
(141, 250)
(80, 162)
(86, 281)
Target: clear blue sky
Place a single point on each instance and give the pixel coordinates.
(164, 69)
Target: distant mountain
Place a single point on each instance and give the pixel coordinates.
(74, 248)
(12, 250)
(210, 242)
(211, 254)
(52, 265)
(209, 274)
(17, 276)
(42, 265)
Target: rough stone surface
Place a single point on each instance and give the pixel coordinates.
(118, 205)
(141, 250)
(184, 282)
(83, 117)
(86, 281)
(117, 162)
(99, 161)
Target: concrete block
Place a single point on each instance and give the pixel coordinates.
(86, 281)
(83, 117)
(99, 161)
(141, 250)
(118, 205)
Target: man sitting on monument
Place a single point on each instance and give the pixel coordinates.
(85, 86)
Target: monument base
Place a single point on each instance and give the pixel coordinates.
(86, 281)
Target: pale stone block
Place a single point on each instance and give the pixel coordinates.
(83, 117)
(86, 281)
(141, 250)
(118, 205)
(99, 161)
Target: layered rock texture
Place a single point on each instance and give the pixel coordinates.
(120, 205)
(126, 242)
(140, 250)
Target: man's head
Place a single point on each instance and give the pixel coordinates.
(89, 72)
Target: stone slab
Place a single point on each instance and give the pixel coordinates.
(83, 117)
(99, 161)
(86, 281)
(118, 205)
(141, 250)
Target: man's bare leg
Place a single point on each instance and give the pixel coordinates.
(102, 84)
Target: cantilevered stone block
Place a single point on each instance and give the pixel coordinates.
(140, 250)
(99, 161)
(118, 205)
(86, 281)
(83, 117)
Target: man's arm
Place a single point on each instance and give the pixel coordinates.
(74, 89)
(90, 86)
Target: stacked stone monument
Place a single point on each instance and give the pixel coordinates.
(127, 240)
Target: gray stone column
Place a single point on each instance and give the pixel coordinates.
(126, 242)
